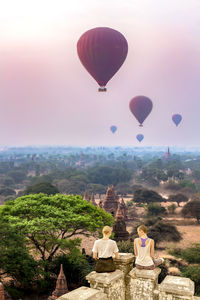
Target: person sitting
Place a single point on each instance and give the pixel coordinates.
(144, 251)
(103, 252)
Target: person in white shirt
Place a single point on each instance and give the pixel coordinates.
(104, 250)
(144, 251)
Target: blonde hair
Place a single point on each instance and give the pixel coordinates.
(143, 228)
(106, 230)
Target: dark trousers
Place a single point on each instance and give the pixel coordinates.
(105, 265)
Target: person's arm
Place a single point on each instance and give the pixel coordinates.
(95, 255)
(152, 249)
(135, 248)
(95, 251)
(116, 250)
(116, 255)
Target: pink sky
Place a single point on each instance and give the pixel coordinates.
(48, 98)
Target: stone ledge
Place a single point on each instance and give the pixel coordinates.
(148, 274)
(105, 278)
(177, 285)
(84, 293)
(124, 258)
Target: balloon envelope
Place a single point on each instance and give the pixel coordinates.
(140, 107)
(176, 118)
(113, 128)
(139, 137)
(102, 51)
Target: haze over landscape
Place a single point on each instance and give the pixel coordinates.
(48, 98)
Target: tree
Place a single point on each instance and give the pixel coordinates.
(47, 222)
(146, 196)
(15, 260)
(7, 191)
(171, 208)
(178, 198)
(17, 175)
(155, 209)
(192, 209)
(44, 187)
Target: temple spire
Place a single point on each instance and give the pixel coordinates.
(2, 295)
(61, 285)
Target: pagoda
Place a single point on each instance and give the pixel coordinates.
(92, 200)
(3, 294)
(86, 196)
(119, 228)
(111, 201)
(61, 285)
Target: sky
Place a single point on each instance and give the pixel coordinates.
(48, 98)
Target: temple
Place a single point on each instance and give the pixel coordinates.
(61, 286)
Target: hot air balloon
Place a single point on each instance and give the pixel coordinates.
(102, 51)
(139, 137)
(140, 107)
(176, 118)
(113, 128)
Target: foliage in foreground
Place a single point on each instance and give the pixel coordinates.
(37, 228)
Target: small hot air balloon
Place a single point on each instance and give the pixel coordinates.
(102, 51)
(140, 107)
(113, 128)
(139, 137)
(176, 118)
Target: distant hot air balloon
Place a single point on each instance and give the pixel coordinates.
(102, 51)
(113, 128)
(140, 107)
(139, 137)
(176, 118)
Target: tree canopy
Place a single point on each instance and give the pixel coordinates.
(146, 196)
(49, 221)
(178, 198)
(192, 209)
(43, 187)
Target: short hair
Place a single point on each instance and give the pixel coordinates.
(107, 229)
(143, 228)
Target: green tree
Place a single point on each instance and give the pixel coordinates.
(192, 209)
(15, 260)
(146, 196)
(44, 187)
(171, 208)
(155, 209)
(48, 222)
(17, 175)
(4, 191)
(178, 198)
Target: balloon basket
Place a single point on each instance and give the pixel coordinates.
(140, 125)
(102, 89)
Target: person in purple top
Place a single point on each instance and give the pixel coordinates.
(144, 251)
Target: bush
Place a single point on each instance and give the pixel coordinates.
(193, 272)
(155, 209)
(126, 246)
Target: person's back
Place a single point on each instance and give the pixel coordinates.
(103, 251)
(144, 251)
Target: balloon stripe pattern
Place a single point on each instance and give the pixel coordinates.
(102, 51)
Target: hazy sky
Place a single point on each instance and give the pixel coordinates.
(47, 97)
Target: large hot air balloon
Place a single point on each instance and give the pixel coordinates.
(140, 107)
(113, 128)
(176, 118)
(102, 51)
(139, 137)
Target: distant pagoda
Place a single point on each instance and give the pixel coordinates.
(119, 228)
(92, 200)
(167, 154)
(86, 196)
(61, 286)
(111, 201)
